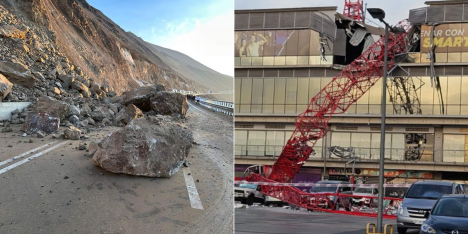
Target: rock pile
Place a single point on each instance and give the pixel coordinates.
(48, 113)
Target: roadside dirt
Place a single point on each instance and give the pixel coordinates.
(63, 192)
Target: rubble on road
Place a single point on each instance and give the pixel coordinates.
(41, 121)
(72, 133)
(5, 87)
(152, 146)
(128, 114)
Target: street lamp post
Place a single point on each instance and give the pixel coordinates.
(379, 14)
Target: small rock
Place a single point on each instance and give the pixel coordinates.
(40, 134)
(31, 141)
(24, 134)
(82, 147)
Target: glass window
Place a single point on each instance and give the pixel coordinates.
(291, 90)
(304, 42)
(454, 148)
(292, 42)
(269, 46)
(268, 91)
(440, 97)
(237, 90)
(256, 143)
(427, 96)
(240, 142)
(302, 91)
(280, 42)
(342, 139)
(275, 143)
(361, 142)
(314, 43)
(280, 90)
(398, 146)
(246, 91)
(257, 91)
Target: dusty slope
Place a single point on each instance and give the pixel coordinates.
(185, 66)
(93, 46)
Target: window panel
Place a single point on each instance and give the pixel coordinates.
(268, 91)
(398, 146)
(454, 85)
(303, 91)
(304, 42)
(454, 148)
(246, 91)
(361, 142)
(314, 87)
(314, 46)
(240, 142)
(280, 90)
(292, 42)
(464, 87)
(291, 91)
(257, 91)
(375, 93)
(280, 42)
(269, 46)
(237, 90)
(256, 143)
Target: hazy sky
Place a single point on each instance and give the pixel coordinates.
(395, 10)
(201, 29)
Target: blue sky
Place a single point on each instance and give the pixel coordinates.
(201, 29)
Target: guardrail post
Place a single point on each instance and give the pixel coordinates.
(386, 228)
(369, 225)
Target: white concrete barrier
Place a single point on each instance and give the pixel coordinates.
(7, 107)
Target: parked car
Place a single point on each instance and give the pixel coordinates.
(420, 199)
(333, 200)
(366, 192)
(272, 200)
(449, 215)
(248, 194)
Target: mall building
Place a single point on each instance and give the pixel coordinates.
(284, 57)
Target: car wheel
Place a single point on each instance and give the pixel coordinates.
(250, 200)
(401, 230)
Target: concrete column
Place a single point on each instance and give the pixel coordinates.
(438, 143)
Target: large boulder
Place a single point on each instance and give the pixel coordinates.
(101, 113)
(5, 87)
(82, 88)
(140, 97)
(41, 121)
(146, 147)
(128, 114)
(169, 103)
(18, 73)
(51, 105)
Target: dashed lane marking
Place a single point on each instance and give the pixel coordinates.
(26, 153)
(29, 158)
(195, 201)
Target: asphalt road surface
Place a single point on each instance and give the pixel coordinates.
(277, 220)
(58, 189)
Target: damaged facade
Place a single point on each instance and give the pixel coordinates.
(300, 50)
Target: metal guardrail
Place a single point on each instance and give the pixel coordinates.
(219, 106)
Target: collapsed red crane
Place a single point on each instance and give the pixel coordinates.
(335, 98)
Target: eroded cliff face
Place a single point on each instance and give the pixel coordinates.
(53, 38)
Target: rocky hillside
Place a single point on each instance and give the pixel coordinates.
(46, 44)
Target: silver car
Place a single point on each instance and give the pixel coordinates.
(420, 199)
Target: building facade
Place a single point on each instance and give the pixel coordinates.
(284, 57)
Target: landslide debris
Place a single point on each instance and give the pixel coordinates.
(152, 146)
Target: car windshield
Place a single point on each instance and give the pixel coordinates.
(363, 190)
(451, 207)
(428, 191)
(250, 186)
(318, 189)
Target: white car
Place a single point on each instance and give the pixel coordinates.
(368, 192)
(248, 194)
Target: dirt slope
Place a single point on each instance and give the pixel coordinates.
(90, 45)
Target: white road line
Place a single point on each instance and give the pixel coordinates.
(197, 108)
(29, 158)
(191, 189)
(26, 153)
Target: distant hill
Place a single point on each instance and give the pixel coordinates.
(188, 68)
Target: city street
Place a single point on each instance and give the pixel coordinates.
(278, 220)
